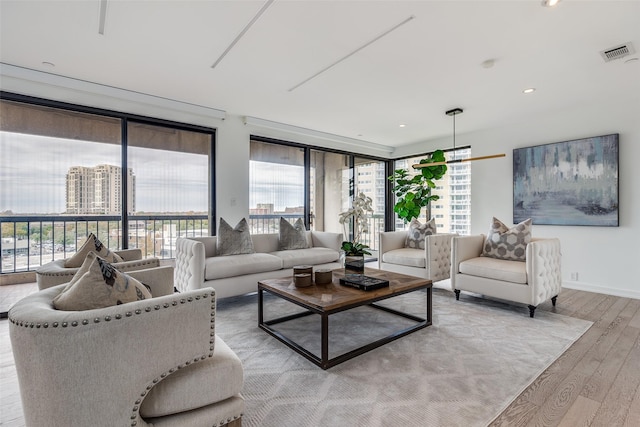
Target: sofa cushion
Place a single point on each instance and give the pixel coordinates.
(101, 285)
(507, 243)
(405, 256)
(219, 267)
(234, 241)
(292, 236)
(418, 232)
(91, 244)
(199, 384)
(310, 256)
(498, 269)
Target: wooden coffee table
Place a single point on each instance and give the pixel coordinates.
(326, 300)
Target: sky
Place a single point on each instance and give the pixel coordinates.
(33, 174)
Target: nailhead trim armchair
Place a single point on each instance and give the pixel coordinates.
(55, 273)
(150, 362)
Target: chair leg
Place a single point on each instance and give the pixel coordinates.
(553, 300)
(532, 309)
(457, 291)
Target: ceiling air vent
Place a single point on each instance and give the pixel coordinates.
(617, 52)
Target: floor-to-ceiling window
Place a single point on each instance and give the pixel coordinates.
(297, 181)
(276, 185)
(370, 179)
(67, 170)
(452, 211)
(171, 171)
(330, 188)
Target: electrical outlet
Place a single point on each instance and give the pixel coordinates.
(574, 275)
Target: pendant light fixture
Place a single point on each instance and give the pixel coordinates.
(454, 112)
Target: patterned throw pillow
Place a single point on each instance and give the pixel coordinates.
(292, 236)
(418, 232)
(101, 285)
(507, 243)
(234, 241)
(91, 244)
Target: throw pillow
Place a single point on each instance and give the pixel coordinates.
(292, 236)
(418, 232)
(101, 286)
(234, 241)
(91, 244)
(507, 243)
(88, 260)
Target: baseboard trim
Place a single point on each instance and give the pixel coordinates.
(581, 286)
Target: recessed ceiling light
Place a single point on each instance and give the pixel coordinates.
(48, 64)
(529, 90)
(550, 3)
(402, 125)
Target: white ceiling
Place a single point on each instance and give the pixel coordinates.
(411, 75)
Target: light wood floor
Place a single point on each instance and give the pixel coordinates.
(596, 382)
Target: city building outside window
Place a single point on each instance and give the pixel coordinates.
(453, 210)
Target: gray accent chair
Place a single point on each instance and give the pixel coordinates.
(530, 282)
(433, 262)
(55, 273)
(155, 362)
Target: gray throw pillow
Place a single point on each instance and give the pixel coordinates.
(292, 236)
(418, 232)
(507, 243)
(234, 241)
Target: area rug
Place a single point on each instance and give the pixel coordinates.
(464, 370)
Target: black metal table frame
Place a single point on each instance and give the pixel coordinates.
(324, 362)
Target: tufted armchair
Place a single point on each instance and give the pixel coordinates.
(433, 262)
(154, 362)
(530, 282)
(55, 273)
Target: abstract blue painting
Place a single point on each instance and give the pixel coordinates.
(567, 183)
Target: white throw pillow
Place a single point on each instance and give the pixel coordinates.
(418, 232)
(100, 285)
(507, 243)
(91, 244)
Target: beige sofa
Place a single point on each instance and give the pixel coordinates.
(433, 262)
(154, 362)
(530, 282)
(198, 266)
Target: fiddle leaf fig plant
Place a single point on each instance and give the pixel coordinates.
(414, 192)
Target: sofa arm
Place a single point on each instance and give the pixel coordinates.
(189, 268)
(544, 269)
(138, 264)
(130, 254)
(438, 255)
(159, 279)
(326, 239)
(462, 249)
(126, 349)
(390, 240)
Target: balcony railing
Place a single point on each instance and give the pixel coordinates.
(27, 242)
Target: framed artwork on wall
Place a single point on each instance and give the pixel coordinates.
(567, 183)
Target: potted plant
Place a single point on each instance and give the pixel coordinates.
(414, 192)
(354, 251)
